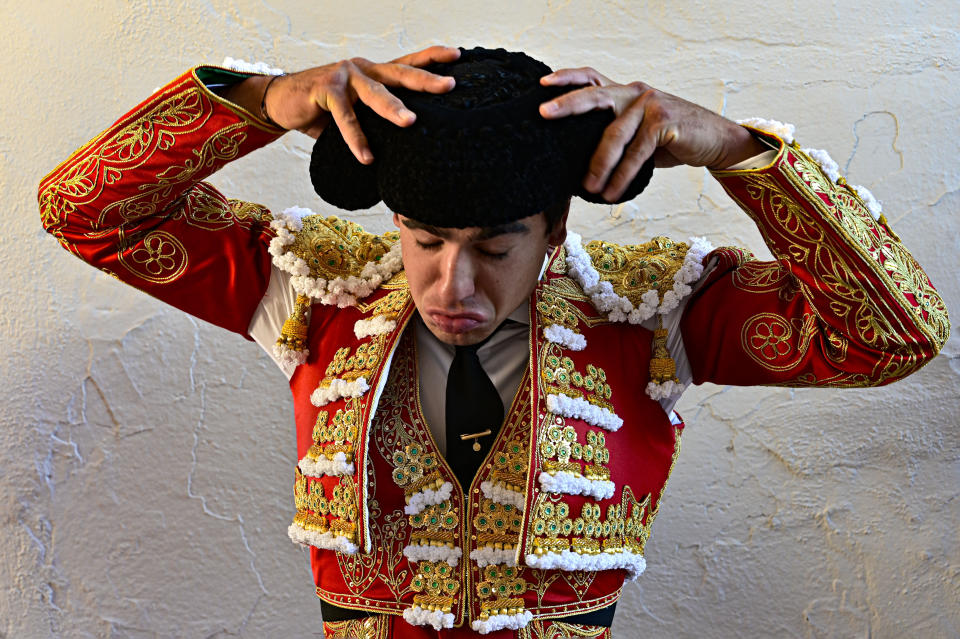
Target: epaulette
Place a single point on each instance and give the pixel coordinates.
(331, 261)
(632, 283)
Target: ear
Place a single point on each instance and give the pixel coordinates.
(396, 220)
(558, 234)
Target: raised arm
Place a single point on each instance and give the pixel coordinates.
(844, 304)
(132, 201)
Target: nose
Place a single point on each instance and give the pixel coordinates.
(457, 277)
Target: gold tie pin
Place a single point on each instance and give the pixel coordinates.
(474, 436)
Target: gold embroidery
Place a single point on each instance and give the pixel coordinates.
(435, 525)
(390, 305)
(662, 367)
(556, 310)
(364, 360)
(335, 248)
(768, 339)
(339, 435)
(293, 335)
(501, 591)
(497, 525)
(510, 466)
(561, 444)
(373, 627)
(563, 378)
(622, 527)
(637, 268)
(414, 469)
(309, 495)
(552, 629)
(437, 583)
(159, 258)
(864, 280)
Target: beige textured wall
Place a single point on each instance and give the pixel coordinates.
(146, 458)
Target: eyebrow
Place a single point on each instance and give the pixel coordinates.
(485, 233)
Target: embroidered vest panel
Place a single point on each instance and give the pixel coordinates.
(436, 556)
(556, 517)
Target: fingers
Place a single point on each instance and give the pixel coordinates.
(642, 146)
(579, 101)
(383, 103)
(341, 109)
(583, 75)
(410, 77)
(615, 138)
(429, 55)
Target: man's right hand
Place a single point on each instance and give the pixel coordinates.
(307, 100)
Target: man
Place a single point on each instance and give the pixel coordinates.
(484, 405)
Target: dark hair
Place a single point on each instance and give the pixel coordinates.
(554, 213)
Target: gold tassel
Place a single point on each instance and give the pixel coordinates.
(293, 335)
(662, 367)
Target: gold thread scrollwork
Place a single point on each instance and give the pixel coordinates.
(335, 248)
(637, 268)
(158, 257)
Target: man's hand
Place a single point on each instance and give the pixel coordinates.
(647, 122)
(307, 100)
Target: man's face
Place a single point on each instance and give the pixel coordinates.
(465, 282)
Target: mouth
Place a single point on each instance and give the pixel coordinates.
(456, 323)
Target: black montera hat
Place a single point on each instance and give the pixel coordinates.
(480, 155)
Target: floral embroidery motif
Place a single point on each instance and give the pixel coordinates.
(501, 599)
(332, 450)
(347, 374)
(322, 521)
(437, 584)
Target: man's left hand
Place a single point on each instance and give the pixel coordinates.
(647, 122)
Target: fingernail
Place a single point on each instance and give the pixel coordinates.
(550, 107)
(591, 184)
(407, 114)
(367, 157)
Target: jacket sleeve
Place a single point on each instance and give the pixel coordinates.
(132, 203)
(842, 304)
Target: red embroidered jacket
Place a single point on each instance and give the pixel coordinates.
(842, 304)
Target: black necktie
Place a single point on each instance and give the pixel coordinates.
(473, 407)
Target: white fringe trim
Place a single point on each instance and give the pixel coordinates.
(664, 390)
(289, 357)
(782, 130)
(418, 552)
(617, 307)
(579, 408)
(502, 494)
(323, 466)
(488, 556)
(633, 563)
(872, 203)
(327, 540)
(565, 337)
(417, 616)
(428, 497)
(250, 67)
(570, 484)
(376, 325)
(829, 167)
(338, 291)
(499, 622)
(339, 388)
